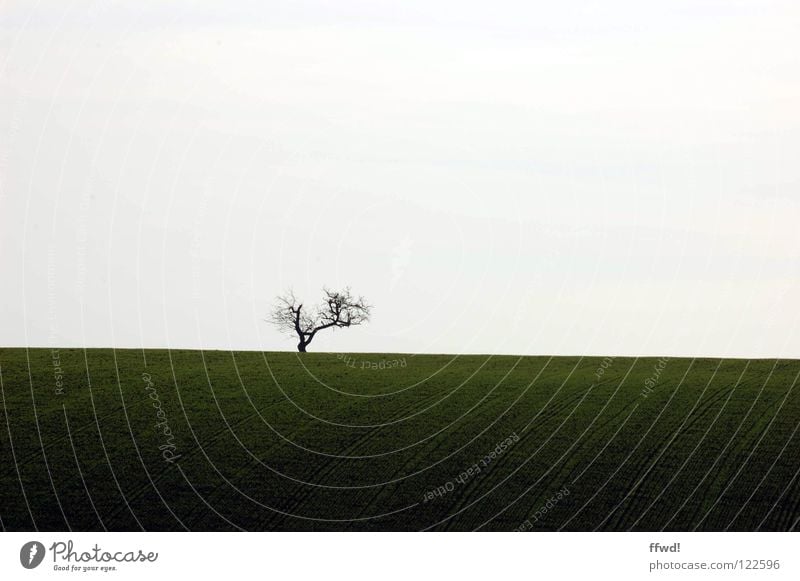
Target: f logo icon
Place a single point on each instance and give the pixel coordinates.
(31, 554)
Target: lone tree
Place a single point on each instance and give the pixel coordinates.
(338, 309)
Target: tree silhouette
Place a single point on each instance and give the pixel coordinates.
(338, 309)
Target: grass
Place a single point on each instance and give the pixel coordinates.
(279, 441)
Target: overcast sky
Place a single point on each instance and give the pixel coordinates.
(614, 177)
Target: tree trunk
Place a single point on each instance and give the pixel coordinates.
(301, 346)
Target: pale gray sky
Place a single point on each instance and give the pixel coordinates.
(570, 177)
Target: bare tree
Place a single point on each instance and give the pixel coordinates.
(338, 309)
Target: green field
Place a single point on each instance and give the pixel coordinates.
(280, 441)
